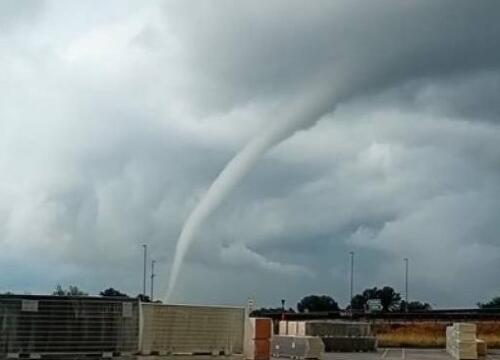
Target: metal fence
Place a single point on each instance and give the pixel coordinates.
(59, 325)
(171, 329)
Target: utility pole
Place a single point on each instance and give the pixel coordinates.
(144, 274)
(152, 278)
(406, 282)
(352, 274)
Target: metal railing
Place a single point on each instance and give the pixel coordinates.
(67, 325)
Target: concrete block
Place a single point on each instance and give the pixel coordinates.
(334, 328)
(301, 347)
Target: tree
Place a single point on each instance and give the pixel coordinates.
(71, 291)
(388, 298)
(358, 302)
(269, 311)
(144, 298)
(492, 304)
(112, 293)
(314, 303)
(414, 306)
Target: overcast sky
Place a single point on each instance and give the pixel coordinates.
(116, 116)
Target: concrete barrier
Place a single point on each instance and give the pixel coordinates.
(340, 336)
(189, 329)
(297, 347)
(333, 328)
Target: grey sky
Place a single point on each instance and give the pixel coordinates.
(116, 116)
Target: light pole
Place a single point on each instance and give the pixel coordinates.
(352, 274)
(406, 282)
(144, 274)
(152, 278)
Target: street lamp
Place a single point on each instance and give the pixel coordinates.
(352, 274)
(152, 278)
(145, 246)
(406, 282)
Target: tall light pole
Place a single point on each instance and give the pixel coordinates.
(145, 246)
(152, 278)
(352, 274)
(406, 282)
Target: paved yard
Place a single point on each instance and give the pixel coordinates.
(389, 354)
(403, 354)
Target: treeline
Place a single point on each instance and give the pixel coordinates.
(109, 292)
(73, 290)
(389, 299)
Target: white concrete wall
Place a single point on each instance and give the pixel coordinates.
(191, 329)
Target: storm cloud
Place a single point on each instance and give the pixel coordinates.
(115, 118)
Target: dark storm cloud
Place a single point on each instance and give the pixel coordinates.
(14, 13)
(254, 50)
(113, 125)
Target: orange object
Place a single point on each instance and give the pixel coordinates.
(262, 349)
(262, 328)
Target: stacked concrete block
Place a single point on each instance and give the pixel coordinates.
(258, 339)
(297, 347)
(449, 338)
(340, 336)
(461, 341)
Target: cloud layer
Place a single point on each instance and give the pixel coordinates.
(115, 118)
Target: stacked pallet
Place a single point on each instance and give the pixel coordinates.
(297, 347)
(461, 341)
(340, 336)
(283, 327)
(258, 339)
(482, 347)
